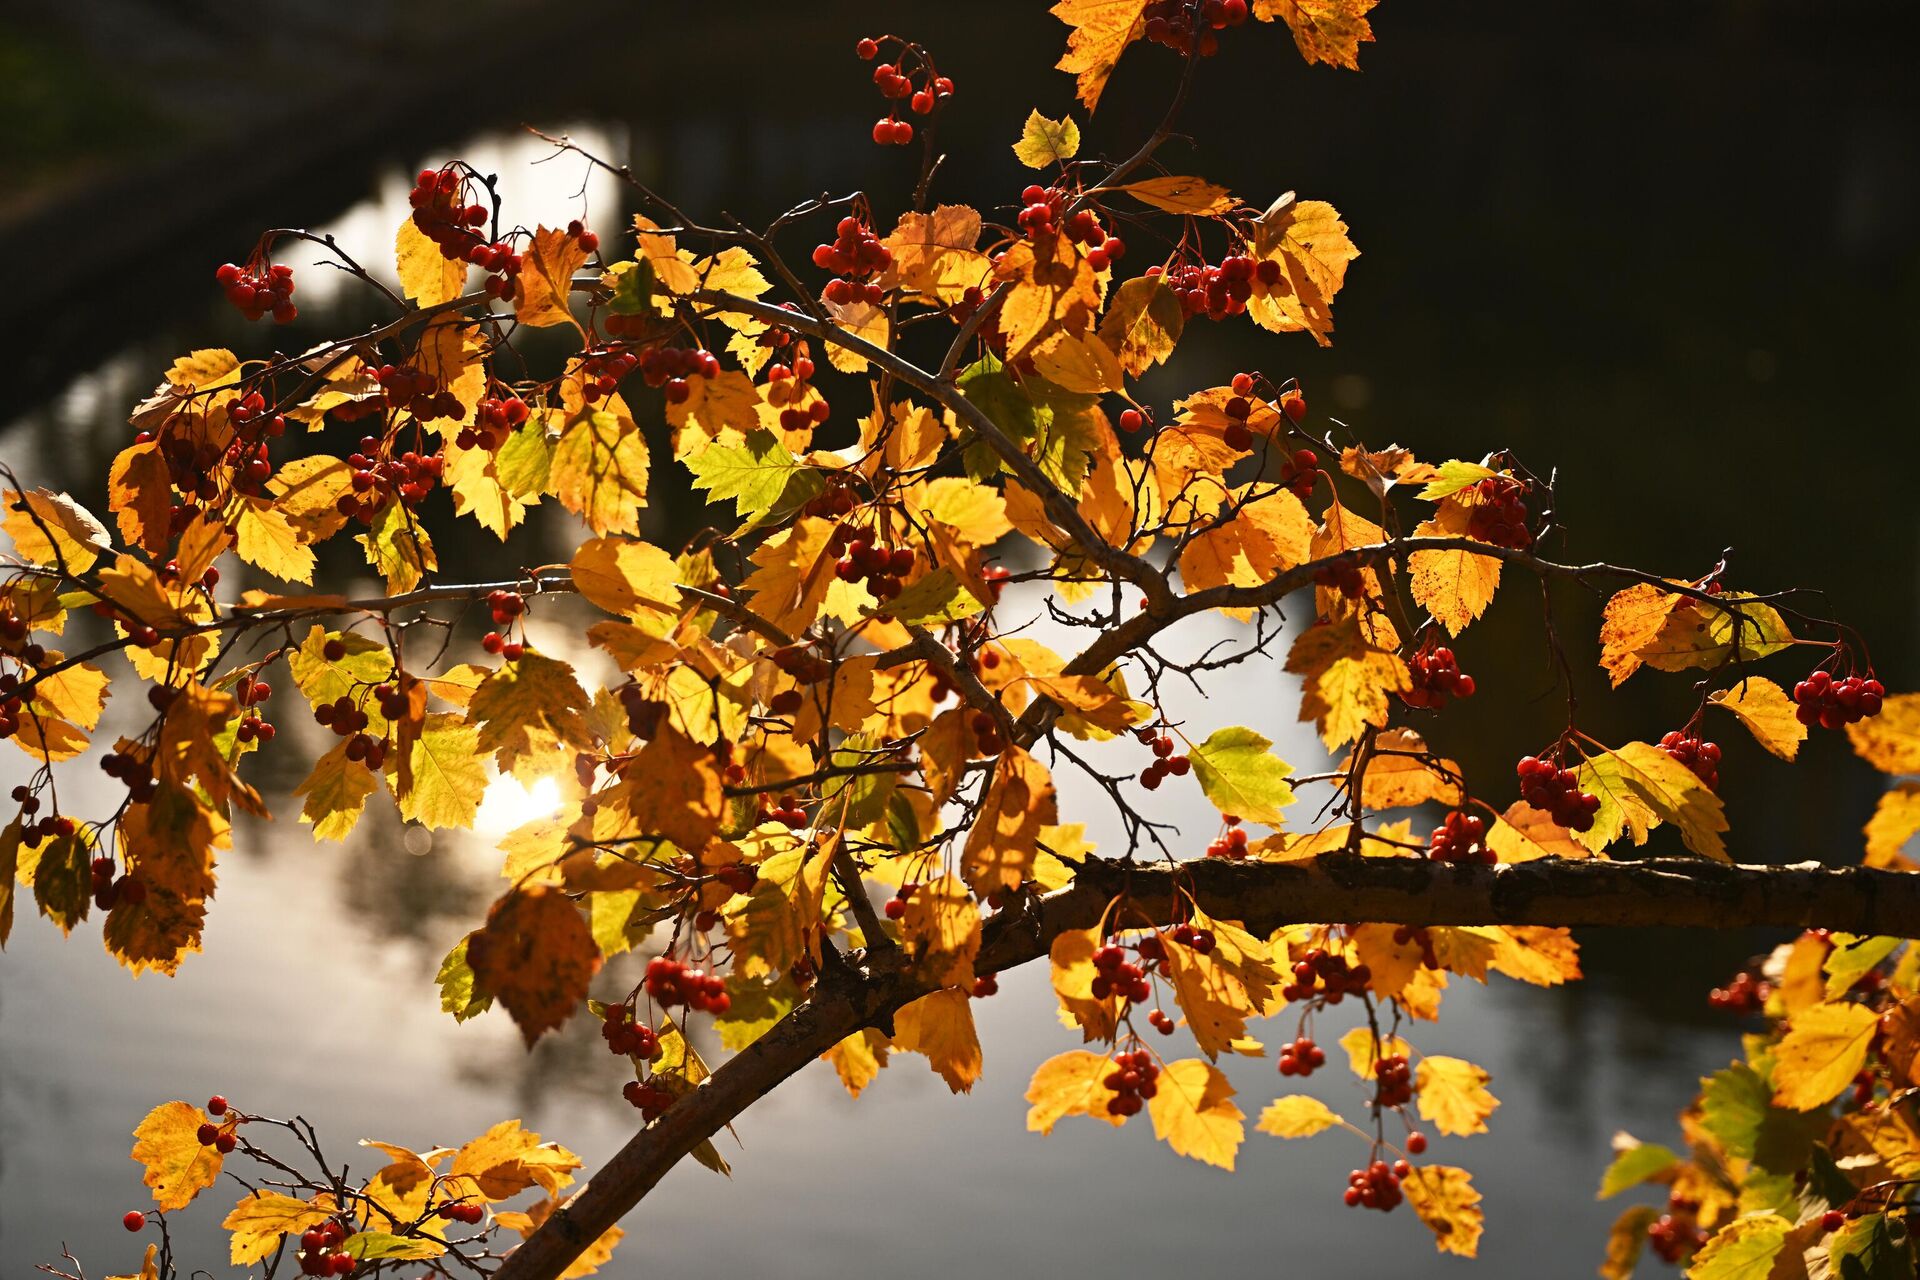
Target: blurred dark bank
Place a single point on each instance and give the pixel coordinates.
(1670, 251)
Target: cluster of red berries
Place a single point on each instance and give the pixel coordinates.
(1499, 513)
(1301, 1058)
(190, 469)
(494, 419)
(250, 465)
(786, 810)
(1327, 975)
(1344, 576)
(1187, 935)
(1831, 703)
(1134, 1079)
(1232, 844)
(1393, 1081)
(471, 1212)
(1437, 678)
(416, 391)
(1217, 292)
(1115, 975)
(650, 1099)
(505, 606)
(1300, 471)
(107, 891)
(1377, 1186)
(221, 1140)
(1676, 1235)
(259, 292)
(1407, 933)
(588, 241)
(252, 693)
(1171, 23)
(602, 368)
(787, 387)
(320, 1251)
(48, 827)
(986, 984)
(671, 368)
(628, 1038)
(443, 216)
(135, 773)
(1701, 757)
(1745, 993)
(410, 476)
(1555, 791)
(1237, 434)
(674, 982)
(855, 254)
(883, 569)
(1165, 761)
(896, 87)
(251, 421)
(348, 721)
(1461, 837)
(837, 499)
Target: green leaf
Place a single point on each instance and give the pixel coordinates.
(1634, 1166)
(524, 460)
(63, 880)
(459, 994)
(632, 288)
(1044, 142)
(987, 387)
(1744, 1249)
(937, 597)
(1852, 956)
(1241, 776)
(1640, 786)
(1450, 478)
(759, 475)
(865, 795)
(370, 1246)
(756, 1006)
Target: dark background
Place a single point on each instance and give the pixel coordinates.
(1669, 250)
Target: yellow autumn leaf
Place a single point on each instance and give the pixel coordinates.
(941, 929)
(1523, 833)
(448, 773)
(426, 276)
(260, 1220)
(1453, 1095)
(1444, 1198)
(507, 1159)
(1639, 787)
(1046, 142)
(934, 258)
(335, 794)
(1361, 1050)
(1824, 1048)
(1309, 242)
(1102, 30)
(1890, 741)
(1005, 834)
(599, 469)
(1329, 31)
(940, 1027)
(1768, 713)
(1143, 323)
(547, 268)
(1896, 817)
(1454, 586)
(1195, 196)
(50, 529)
(267, 539)
(1346, 679)
(1296, 1116)
(1070, 1084)
(177, 1166)
(859, 1059)
(1194, 1113)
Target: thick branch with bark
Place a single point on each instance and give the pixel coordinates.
(1332, 889)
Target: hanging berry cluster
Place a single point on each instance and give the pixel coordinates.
(1701, 757)
(131, 770)
(672, 368)
(441, 212)
(1166, 762)
(1744, 993)
(251, 693)
(470, 1212)
(883, 569)
(1461, 837)
(1134, 1079)
(1115, 975)
(260, 291)
(1556, 791)
(1376, 1187)
(1302, 1057)
(674, 982)
(107, 891)
(1328, 976)
(505, 606)
(320, 1253)
(627, 1037)
(1217, 292)
(855, 255)
(1499, 512)
(1676, 1235)
(1437, 678)
(787, 388)
(1833, 704)
(896, 84)
(494, 419)
(1171, 23)
(410, 477)
(1231, 843)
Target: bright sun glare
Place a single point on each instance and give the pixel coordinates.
(508, 803)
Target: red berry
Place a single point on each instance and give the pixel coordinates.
(216, 1105)
(134, 1220)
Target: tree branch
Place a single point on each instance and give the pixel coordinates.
(1333, 889)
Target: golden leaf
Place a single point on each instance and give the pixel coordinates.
(934, 259)
(1143, 323)
(1102, 30)
(448, 770)
(529, 716)
(140, 494)
(1765, 709)
(1070, 1084)
(268, 540)
(426, 275)
(859, 1059)
(546, 275)
(1824, 1048)
(1640, 786)
(1346, 679)
(1896, 817)
(1329, 31)
(599, 470)
(1397, 777)
(1072, 974)
(1194, 196)
(1296, 1116)
(1454, 586)
(1524, 833)
(940, 1026)
(1444, 1198)
(1310, 243)
(941, 930)
(50, 529)
(1045, 142)
(178, 1167)
(1890, 741)
(507, 1159)
(1005, 834)
(1050, 289)
(1453, 1095)
(1193, 1112)
(536, 956)
(260, 1220)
